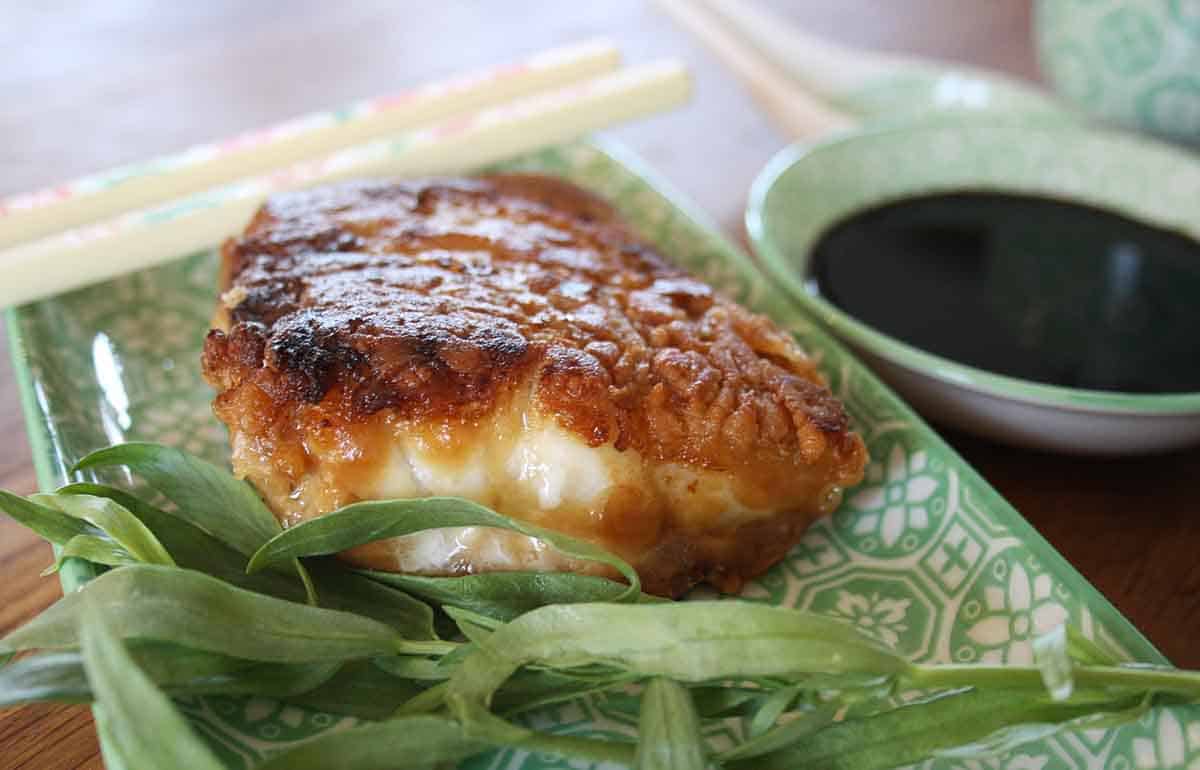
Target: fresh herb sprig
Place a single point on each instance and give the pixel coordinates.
(212, 598)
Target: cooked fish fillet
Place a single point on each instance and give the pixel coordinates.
(509, 340)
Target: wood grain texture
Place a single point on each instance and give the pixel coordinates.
(90, 85)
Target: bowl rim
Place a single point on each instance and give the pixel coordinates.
(915, 359)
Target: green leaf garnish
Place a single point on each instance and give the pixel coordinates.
(182, 613)
(214, 500)
(339, 589)
(116, 521)
(97, 550)
(357, 689)
(195, 610)
(772, 708)
(785, 734)
(144, 728)
(370, 521)
(532, 689)
(51, 523)
(669, 735)
(60, 676)
(915, 731)
(225, 507)
(506, 595)
(420, 742)
(722, 640)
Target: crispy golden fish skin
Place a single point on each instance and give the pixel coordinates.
(507, 339)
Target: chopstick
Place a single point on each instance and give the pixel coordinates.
(142, 238)
(799, 113)
(99, 196)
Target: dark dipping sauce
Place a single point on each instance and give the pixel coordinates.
(1043, 290)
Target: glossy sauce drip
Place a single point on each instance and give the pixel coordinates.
(1029, 287)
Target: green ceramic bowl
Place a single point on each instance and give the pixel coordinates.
(1131, 62)
(805, 190)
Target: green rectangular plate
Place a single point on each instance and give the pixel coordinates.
(924, 554)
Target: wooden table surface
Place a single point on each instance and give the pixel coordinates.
(91, 85)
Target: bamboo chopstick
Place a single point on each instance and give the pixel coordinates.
(149, 236)
(107, 194)
(797, 111)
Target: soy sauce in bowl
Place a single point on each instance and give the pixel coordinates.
(1039, 289)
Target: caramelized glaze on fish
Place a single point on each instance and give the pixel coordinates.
(509, 340)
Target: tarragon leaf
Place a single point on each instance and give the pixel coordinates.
(60, 676)
(194, 610)
(212, 498)
(687, 641)
(338, 588)
(370, 521)
(358, 689)
(668, 729)
(50, 523)
(143, 727)
(415, 742)
(918, 730)
(505, 595)
(784, 734)
(93, 548)
(116, 521)
(225, 507)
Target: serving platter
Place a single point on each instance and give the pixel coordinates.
(923, 555)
